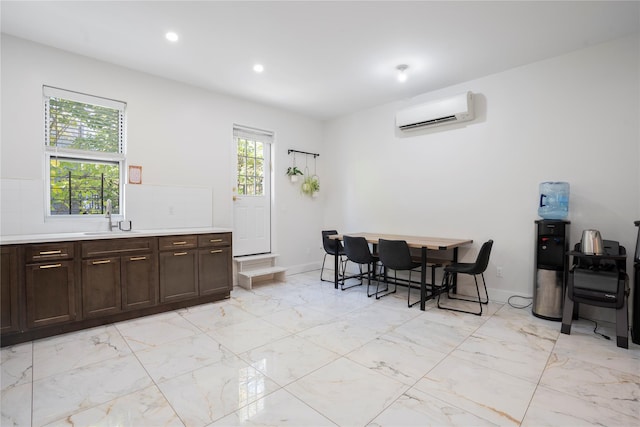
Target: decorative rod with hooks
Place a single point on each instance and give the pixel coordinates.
(303, 152)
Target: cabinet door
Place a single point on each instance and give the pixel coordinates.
(50, 292)
(214, 267)
(101, 293)
(9, 286)
(139, 283)
(178, 275)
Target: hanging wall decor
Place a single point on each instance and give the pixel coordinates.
(293, 171)
(311, 183)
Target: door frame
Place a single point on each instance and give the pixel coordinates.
(234, 181)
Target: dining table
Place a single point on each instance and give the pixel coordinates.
(423, 243)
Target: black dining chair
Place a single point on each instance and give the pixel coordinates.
(599, 282)
(474, 269)
(333, 247)
(358, 252)
(395, 255)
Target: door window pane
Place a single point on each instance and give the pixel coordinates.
(250, 167)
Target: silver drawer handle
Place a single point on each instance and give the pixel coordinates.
(216, 252)
(180, 243)
(215, 240)
(138, 258)
(51, 266)
(180, 253)
(104, 261)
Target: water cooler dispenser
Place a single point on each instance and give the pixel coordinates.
(551, 268)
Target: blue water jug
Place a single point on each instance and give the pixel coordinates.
(554, 200)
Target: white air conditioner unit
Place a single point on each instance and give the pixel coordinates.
(455, 109)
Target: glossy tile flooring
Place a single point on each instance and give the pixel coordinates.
(300, 353)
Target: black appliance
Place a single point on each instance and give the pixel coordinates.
(635, 321)
(551, 268)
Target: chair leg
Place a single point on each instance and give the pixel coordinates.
(475, 277)
(386, 289)
(622, 325)
(322, 269)
(447, 287)
(409, 303)
(342, 265)
(377, 276)
(359, 276)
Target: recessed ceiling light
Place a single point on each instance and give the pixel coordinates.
(258, 68)
(171, 36)
(402, 72)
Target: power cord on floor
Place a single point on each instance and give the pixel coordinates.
(595, 328)
(519, 306)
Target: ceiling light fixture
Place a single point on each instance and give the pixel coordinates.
(402, 72)
(171, 36)
(258, 68)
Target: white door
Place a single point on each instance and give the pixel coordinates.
(252, 196)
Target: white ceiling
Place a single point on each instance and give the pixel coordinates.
(323, 58)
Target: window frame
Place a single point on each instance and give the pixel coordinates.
(88, 156)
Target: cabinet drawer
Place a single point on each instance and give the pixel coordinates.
(177, 242)
(218, 239)
(101, 248)
(48, 251)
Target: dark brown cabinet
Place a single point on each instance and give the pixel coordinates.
(214, 263)
(178, 267)
(101, 286)
(117, 275)
(9, 315)
(52, 288)
(50, 284)
(139, 281)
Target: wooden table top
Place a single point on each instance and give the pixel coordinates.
(434, 243)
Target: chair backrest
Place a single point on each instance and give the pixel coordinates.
(357, 250)
(395, 254)
(482, 261)
(331, 246)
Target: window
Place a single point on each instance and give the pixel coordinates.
(84, 152)
(251, 147)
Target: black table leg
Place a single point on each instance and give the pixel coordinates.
(423, 278)
(454, 287)
(336, 262)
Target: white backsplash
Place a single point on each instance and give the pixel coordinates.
(22, 209)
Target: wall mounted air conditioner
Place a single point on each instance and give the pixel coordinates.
(455, 109)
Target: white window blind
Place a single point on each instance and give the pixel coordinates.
(83, 122)
(253, 134)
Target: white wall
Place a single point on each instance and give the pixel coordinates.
(180, 135)
(572, 118)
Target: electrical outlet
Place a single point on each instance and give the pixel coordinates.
(499, 271)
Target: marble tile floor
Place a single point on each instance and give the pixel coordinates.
(299, 353)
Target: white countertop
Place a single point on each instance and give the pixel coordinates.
(96, 235)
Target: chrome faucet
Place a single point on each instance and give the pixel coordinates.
(108, 216)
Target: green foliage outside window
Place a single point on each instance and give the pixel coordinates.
(250, 167)
(82, 188)
(80, 185)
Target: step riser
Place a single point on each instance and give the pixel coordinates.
(257, 269)
(256, 265)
